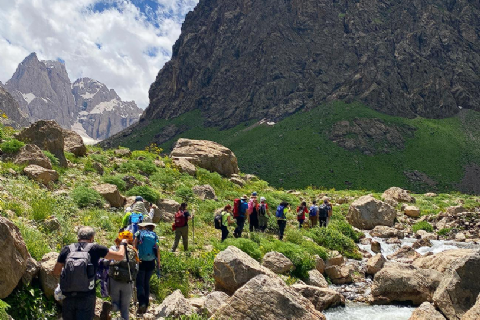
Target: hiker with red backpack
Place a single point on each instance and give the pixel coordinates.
(263, 214)
(301, 211)
(181, 227)
(240, 207)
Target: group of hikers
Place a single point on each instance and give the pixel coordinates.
(125, 268)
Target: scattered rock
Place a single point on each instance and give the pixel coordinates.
(102, 310)
(398, 195)
(204, 192)
(412, 211)
(265, 298)
(47, 280)
(405, 254)
(430, 195)
(277, 262)
(375, 264)
(31, 272)
(459, 288)
(131, 182)
(208, 155)
(73, 143)
(443, 260)
(41, 174)
(214, 301)
(321, 298)
(319, 264)
(124, 152)
(454, 210)
(368, 212)
(159, 163)
(386, 232)
(335, 259)
(422, 243)
(166, 210)
(51, 224)
(426, 311)
(185, 166)
(376, 246)
(233, 268)
(422, 234)
(174, 306)
(110, 193)
(237, 181)
(460, 237)
(316, 279)
(98, 168)
(340, 274)
(32, 154)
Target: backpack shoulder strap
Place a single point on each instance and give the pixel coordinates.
(72, 247)
(88, 247)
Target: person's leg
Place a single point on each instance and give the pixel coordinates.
(68, 309)
(114, 290)
(141, 286)
(281, 226)
(224, 233)
(148, 275)
(178, 234)
(85, 307)
(255, 222)
(184, 231)
(241, 225)
(125, 298)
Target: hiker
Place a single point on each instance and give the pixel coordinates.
(239, 211)
(151, 213)
(181, 227)
(122, 275)
(281, 215)
(253, 214)
(263, 214)
(132, 218)
(77, 266)
(323, 211)
(146, 242)
(313, 214)
(226, 220)
(301, 211)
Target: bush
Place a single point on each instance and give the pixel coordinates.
(30, 303)
(11, 146)
(333, 239)
(165, 179)
(422, 225)
(52, 158)
(246, 245)
(345, 228)
(42, 207)
(186, 194)
(116, 180)
(133, 166)
(3, 305)
(146, 192)
(2, 136)
(444, 231)
(35, 241)
(84, 197)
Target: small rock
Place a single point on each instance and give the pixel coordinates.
(123, 152)
(319, 264)
(277, 262)
(51, 224)
(376, 246)
(460, 237)
(335, 259)
(316, 279)
(175, 306)
(41, 174)
(375, 264)
(412, 211)
(98, 168)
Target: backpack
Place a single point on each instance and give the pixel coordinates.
(300, 211)
(133, 220)
(218, 221)
(262, 210)
(243, 208)
(180, 219)
(236, 207)
(125, 270)
(280, 213)
(323, 211)
(313, 211)
(78, 273)
(146, 245)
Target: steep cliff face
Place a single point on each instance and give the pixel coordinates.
(101, 112)
(9, 106)
(44, 91)
(241, 59)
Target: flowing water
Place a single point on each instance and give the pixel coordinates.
(359, 311)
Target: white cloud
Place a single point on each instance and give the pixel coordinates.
(110, 46)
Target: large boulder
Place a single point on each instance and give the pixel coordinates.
(110, 193)
(233, 268)
(426, 311)
(205, 192)
(277, 262)
(40, 174)
(73, 143)
(405, 254)
(166, 210)
(32, 154)
(267, 298)
(386, 232)
(208, 155)
(459, 288)
(375, 264)
(214, 300)
(31, 272)
(14, 257)
(443, 260)
(48, 281)
(174, 306)
(474, 312)
(404, 283)
(412, 211)
(398, 195)
(321, 298)
(368, 212)
(319, 264)
(47, 135)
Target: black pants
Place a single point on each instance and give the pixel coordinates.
(322, 221)
(143, 282)
(80, 307)
(239, 229)
(254, 222)
(281, 226)
(224, 233)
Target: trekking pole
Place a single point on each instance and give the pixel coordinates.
(193, 227)
(133, 284)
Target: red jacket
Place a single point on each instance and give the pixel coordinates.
(302, 215)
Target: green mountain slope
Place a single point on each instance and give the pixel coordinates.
(297, 152)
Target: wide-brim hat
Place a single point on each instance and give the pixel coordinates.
(244, 197)
(146, 224)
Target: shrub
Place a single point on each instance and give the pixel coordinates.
(3, 308)
(422, 225)
(146, 192)
(30, 303)
(2, 136)
(335, 240)
(116, 180)
(165, 179)
(186, 194)
(11, 146)
(42, 207)
(52, 158)
(35, 241)
(444, 231)
(246, 245)
(84, 197)
(101, 158)
(145, 166)
(345, 228)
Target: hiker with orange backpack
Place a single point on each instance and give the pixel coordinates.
(240, 207)
(181, 227)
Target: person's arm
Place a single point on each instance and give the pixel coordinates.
(117, 255)
(135, 243)
(57, 270)
(125, 219)
(190, 216)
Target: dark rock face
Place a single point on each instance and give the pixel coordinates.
(9, 106)
(240, 59)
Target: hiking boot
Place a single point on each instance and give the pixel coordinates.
(142, 309)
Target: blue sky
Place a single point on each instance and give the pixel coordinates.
(122, 43)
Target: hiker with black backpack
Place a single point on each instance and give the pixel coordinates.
(122, 275)
(77, 266)
(313, 214)
(240, 207)
(263, 214)
(323, 211)
(223, 220)
(180, 227)
(146, 242)
(301, 211)
(281, 216)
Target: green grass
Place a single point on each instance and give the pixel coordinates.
(439, 148)
(422, 225)
(11, 146)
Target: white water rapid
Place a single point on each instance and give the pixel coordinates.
(360, 311)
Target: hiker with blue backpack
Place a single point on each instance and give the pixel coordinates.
(135, 216)
(146, 242)
(180, 226)
(281, 216)
(240, 207)
(77, 266)
(313, 214)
